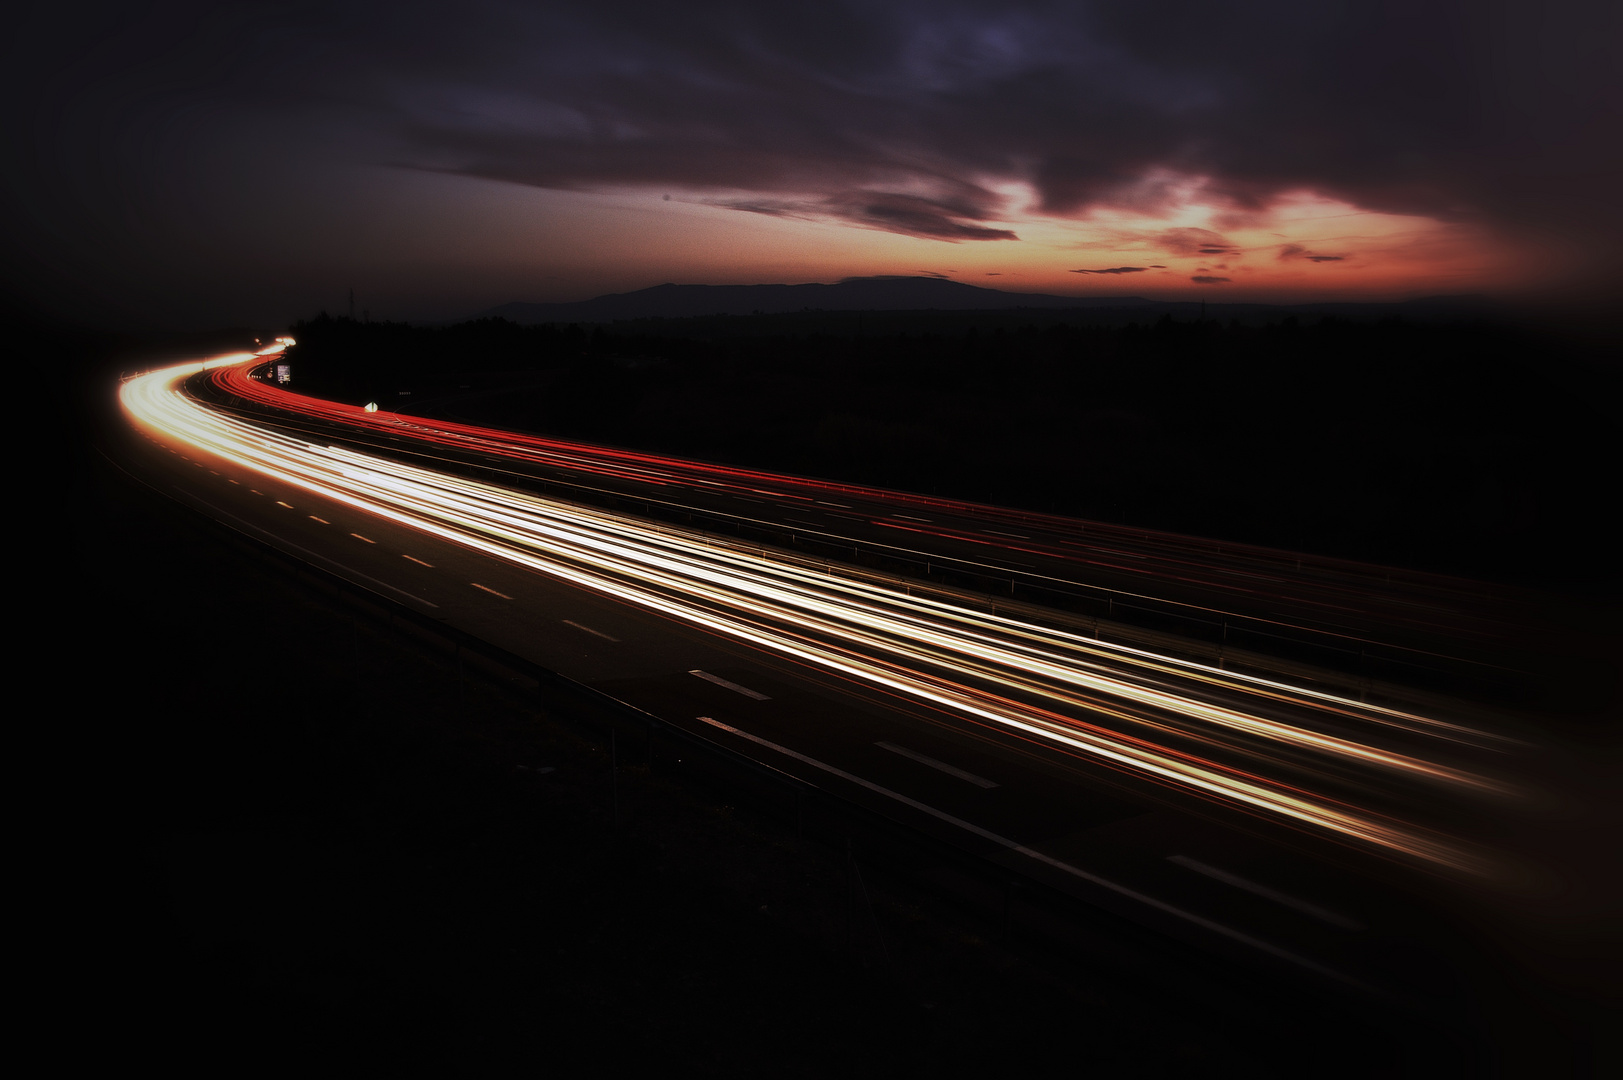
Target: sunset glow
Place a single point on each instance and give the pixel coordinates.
(443, 163)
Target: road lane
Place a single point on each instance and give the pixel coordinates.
(639, 648)
(1343, 602)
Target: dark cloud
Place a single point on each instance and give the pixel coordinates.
(892, 114)
(1207, 279)
(1297, 251)
(1113, 270)
(910, 214)
(913, 215)
(1395, 106)
(1194, 242)
(1495, 113)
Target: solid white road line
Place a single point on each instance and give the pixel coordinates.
(310, 556)
(1093, 879)
(589, 630)
(719, 681)
(1266, 893)
(978, 781)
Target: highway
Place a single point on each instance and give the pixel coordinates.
(1216, 589)
(1303, 824)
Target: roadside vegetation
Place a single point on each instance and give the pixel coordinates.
(1467, 448)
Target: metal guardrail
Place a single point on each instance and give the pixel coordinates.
(1347, 653)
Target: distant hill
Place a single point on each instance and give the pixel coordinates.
(919, 294)
(852, 294)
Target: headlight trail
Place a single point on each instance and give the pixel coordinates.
(1310, 758)
(1331, 589)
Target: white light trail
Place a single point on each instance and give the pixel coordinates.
(1240, 739)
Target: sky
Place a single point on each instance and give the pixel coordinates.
(188, 165)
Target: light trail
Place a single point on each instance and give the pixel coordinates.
(1323, 590)
(1306, 757)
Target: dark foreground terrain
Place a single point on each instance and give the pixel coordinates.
(341, 859)
(1468, 447)
(287, 839)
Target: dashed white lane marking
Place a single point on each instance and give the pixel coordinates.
(923, 759)
(323, 521)
(279, 502)
(489, 590)
(418, 561)
(310, 556)
(910, 517)
(589, 630)
(1322, 914)
(734, 687)
(1014, 536)
(358, 536)
(1048, 860)
(842, 506)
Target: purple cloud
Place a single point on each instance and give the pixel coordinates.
(1190, 241)
(159, 122)
(1295, 251)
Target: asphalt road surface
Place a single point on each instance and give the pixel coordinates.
(1316, 822)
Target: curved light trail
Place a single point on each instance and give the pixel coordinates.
(1324, 591)
(1311, 758)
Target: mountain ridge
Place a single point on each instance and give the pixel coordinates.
(893, 293)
